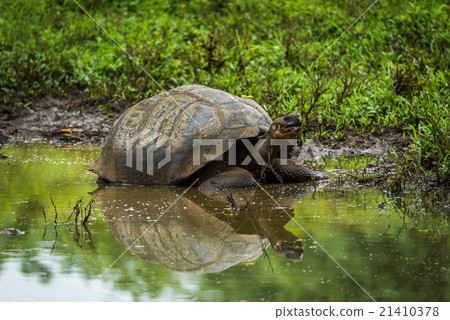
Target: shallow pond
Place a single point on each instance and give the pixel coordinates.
(172, 244)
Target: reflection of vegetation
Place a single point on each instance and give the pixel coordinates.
(363, 245)
(421, 204)
(421, 210)
(31, 266)
(347, 222)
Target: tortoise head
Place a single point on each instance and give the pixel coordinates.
(286, 127)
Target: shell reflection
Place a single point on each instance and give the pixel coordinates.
(199, 232)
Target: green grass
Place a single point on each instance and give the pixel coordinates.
(389, 70)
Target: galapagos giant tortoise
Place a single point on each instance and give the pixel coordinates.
(156, 142)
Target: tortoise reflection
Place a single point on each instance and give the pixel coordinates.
(198, 233)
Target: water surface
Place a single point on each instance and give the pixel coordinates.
(197, 248)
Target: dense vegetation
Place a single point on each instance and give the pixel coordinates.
(389, 70)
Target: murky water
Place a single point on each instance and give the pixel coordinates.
(199, 249)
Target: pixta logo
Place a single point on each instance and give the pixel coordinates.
(149, 151)
(144, 146)
(309, 152)
(213, 150)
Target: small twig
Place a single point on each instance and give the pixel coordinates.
(318, 91)
(75, 207)
(91, 243)
(45, 217)
(77, 213)
(45, 232)
(56, 212)
(56, 238)
(89, 205)
(264, 251)
(45, 224)
(233, 205)
(75, 236)
(75, 137)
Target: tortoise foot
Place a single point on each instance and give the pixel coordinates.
(235, 178)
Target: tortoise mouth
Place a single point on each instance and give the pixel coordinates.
(289, 125)
(289, 130)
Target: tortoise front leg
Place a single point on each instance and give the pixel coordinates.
(289, 173)
(233, 178)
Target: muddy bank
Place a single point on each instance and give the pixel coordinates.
(79, 120)
(382, 141)
(58, 121)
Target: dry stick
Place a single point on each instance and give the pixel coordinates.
(77, 212)
(78, 236)
(73, 235)
(56, 213)
(75, 137)
(89, 212)
(262, 175)
(70, 216)
(91, 243)
(233, 205)
(56, 238)
(45, 232)
(81, 212)
(76, 206)
(263, 248)
(45, 217)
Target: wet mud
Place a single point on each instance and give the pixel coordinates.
(56, 120)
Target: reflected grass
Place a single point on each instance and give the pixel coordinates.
(346, 220)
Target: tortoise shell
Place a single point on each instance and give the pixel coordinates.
(169, 122)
